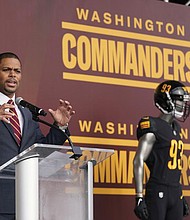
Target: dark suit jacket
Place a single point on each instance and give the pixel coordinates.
(8, 149)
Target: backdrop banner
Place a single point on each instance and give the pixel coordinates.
(106, 58)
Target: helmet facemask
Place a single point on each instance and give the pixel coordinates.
(172, 98)
(181, 108)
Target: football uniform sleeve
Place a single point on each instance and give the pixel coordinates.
(146, 125)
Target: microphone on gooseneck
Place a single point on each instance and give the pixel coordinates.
(34, 109)
(77, 152)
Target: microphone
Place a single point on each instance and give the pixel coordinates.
(34, 109)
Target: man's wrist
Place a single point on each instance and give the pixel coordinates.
(62, 127)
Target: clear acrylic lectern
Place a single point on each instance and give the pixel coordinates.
(50, 185)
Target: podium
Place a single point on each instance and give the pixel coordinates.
(50, 185)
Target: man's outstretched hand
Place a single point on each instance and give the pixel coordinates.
(63, 113)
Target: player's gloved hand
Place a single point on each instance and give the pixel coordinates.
(185, 207)
(141, 209)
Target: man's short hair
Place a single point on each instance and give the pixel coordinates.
(8, 55)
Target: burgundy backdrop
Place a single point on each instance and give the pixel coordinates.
(99, 55)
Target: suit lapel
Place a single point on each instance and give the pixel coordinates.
(9, 128)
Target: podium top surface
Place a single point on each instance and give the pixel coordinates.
(57, 155)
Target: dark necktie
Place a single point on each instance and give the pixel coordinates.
(15, 123)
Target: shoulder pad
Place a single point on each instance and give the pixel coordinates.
(146, 125)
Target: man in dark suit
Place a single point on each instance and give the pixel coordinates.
(10, 145)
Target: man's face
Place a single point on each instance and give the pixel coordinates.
(10, 76)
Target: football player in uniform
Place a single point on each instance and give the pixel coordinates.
(161, 148)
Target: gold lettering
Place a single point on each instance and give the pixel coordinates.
(99, 55)
(130, 175)
(116, 57)
(98, 127)
(110, 128)
(82, 13)
(131, 60)
(130, 22)
(68, 43)
(118, 167)
(187, 61)
(119, 19)
(184, 133)
(85, 126)
(167, 64)
(138, 23)
(169, 28)
(184, 178)
(84, 53)
(122, 128)
(181, 30)
(95, 17)
(107, 18)
(149, 25)
(179, 63)
(156, 62)
(160, 25)
(131, 129)
(144, 60)
(102, 171)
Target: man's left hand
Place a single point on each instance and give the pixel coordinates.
(63, 113)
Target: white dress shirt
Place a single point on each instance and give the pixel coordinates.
(5, 99)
